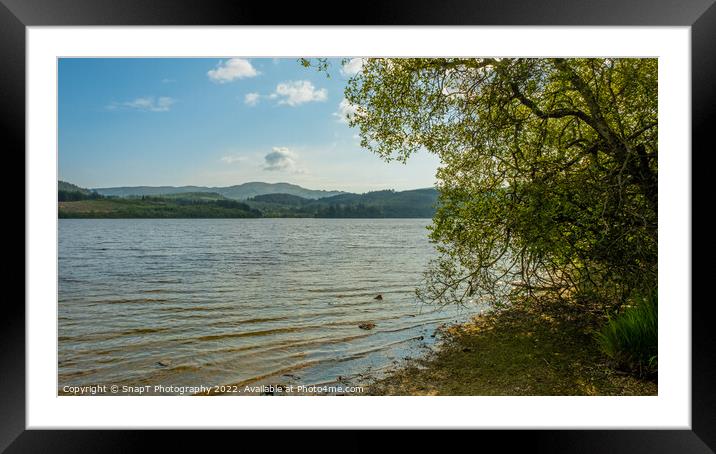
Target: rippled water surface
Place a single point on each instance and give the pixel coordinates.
(191, 302)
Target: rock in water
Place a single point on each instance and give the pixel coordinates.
(164, 363)
(379, 297)
(367, 325)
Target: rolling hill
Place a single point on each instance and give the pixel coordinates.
(417, 203)
(238, 192)
(198, 202)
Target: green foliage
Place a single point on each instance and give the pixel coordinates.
(67, 192)
(548, 183)
(281, 199)
(69, 187)
(69, 196)
(190, 196)
(630, 339)
(156, 207)
(418, 203)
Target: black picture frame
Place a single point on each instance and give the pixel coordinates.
(700, 15)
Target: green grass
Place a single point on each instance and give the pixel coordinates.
(519, 350)
(155, 208)
(630, 339)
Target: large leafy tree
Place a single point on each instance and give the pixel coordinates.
(548, 181)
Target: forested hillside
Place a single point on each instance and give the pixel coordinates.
(77, 202)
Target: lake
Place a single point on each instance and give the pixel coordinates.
(189, 302)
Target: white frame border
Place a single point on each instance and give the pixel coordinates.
(670, 409)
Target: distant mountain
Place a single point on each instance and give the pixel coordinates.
(238, 192)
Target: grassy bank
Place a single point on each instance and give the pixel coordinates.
(155, 208)
(547, 350)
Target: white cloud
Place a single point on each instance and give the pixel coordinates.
(148, 104)
(296, 92)
(352, 67)
(346, 111)
(232, 69)
(251, 99)
(281, 158)
(230, 159)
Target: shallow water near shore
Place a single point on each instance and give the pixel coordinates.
(212, 302)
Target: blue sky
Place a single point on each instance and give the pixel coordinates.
(216, 122)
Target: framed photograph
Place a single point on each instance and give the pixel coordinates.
(238, 218)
